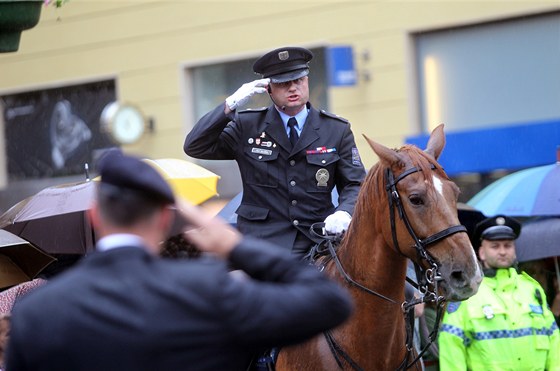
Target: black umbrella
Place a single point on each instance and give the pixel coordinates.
(54, 219)
(20, 261)
(470, 217)
(539, 239)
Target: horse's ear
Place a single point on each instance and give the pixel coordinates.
(436, 142)
(384, 153)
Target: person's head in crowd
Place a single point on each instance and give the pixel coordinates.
(132, 197)
(497, 237)
(177, 247)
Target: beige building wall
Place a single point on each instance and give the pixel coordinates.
(146, 46)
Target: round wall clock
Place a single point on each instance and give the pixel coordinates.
(124, 122)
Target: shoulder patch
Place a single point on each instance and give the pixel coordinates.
(453, 306)
(332, 115)
(536, 309)
(356, 160)
(259, 109)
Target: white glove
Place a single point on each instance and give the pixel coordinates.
(245, 92)
(337, 222)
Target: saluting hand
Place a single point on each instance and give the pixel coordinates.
(209, 234)
(242, 95)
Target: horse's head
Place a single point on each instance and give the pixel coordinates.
(421, 204)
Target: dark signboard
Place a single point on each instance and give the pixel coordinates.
(55, 132)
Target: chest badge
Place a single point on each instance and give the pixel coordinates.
(488, 312)
(322, 176)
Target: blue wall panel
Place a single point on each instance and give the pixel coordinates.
(486, 150)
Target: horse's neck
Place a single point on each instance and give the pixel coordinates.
(366, 255)
(378, 323)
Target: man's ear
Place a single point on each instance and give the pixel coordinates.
(482, 252)
(167, 217)
(93, 215)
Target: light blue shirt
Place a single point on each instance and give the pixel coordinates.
(300, 117)
(119, 240)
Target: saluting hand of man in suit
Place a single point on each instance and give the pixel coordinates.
(210, 234)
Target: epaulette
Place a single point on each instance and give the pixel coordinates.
(332, 115)
(260, 109)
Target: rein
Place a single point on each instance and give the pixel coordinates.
(329, 239)
(427, 277)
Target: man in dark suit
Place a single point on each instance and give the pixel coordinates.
(290, 155)
(124, 308)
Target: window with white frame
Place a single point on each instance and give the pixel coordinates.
(490, 74)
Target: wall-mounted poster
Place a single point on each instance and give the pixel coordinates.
(55, 132)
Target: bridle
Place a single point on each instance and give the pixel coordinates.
(428, 278)
(395, 202)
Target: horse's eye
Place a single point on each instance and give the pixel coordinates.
(416, 200)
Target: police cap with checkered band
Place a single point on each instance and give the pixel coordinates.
(499, 227)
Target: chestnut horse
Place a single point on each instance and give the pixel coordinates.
(407, 208)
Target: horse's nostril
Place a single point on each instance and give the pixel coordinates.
(458, 277)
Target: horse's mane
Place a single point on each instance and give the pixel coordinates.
(372, 198)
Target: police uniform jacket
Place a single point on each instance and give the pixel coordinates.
(505, 326)
(285, 189)
(125, 309)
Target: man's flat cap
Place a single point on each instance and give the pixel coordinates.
(499, 227)
(131, 173)
(284, 64)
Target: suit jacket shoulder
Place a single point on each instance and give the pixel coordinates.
(333, 116)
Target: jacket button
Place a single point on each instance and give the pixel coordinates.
(292, 162)
(295, 222)
(293, 183)
(323, 162)
(294, 202)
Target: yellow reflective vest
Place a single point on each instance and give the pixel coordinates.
(507, 325)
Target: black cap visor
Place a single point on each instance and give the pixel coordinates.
(288, 76)
(498, 232)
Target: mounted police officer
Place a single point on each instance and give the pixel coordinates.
(507, 325)
(290, 155)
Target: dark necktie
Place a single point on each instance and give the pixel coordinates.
(292, 123)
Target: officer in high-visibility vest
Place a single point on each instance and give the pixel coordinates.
(507, 324)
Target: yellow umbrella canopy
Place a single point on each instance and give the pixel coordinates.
(188, 180)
